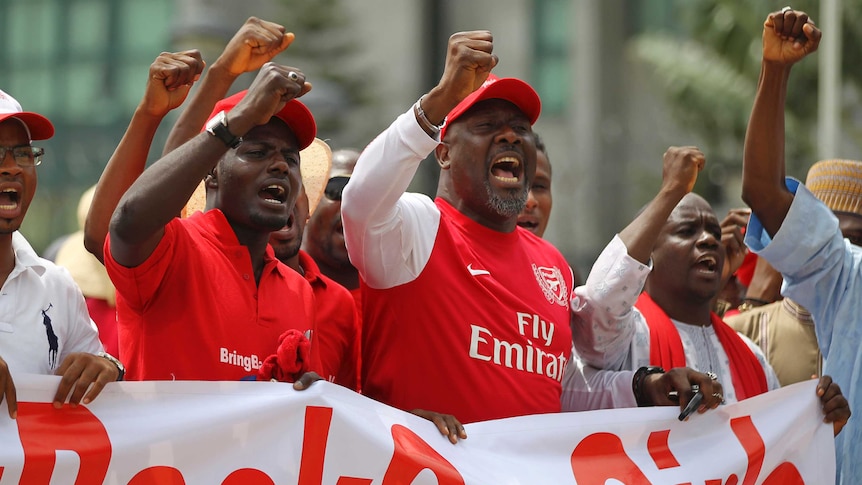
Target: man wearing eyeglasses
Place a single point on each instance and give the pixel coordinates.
(44, 324)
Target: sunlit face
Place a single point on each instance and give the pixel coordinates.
(688, 256)
(537, 211)
(492, 156)
(258, 182)
(17, 184)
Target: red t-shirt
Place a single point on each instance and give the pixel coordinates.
(337, 325)
(192, 310)
(104, 315)
(481, 333)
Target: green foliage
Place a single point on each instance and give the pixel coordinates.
(708, 70)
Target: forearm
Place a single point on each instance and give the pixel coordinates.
(763, 187)
(640, 235)
(213, 87)
(161, 191)
(125, 166)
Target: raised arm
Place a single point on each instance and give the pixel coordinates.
(170, 78)
(161, 192)
(679, 173)
(254, 44)
(788, 36)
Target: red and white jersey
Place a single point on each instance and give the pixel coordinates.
(457, 318)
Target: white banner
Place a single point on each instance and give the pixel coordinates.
(255, 433)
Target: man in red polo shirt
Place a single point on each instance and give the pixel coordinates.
(204, 298)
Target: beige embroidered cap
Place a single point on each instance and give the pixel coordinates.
(838, 183)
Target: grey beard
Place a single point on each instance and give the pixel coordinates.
(509, 206)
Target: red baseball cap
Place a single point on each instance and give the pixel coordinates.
(511, 89)
(295, 114)
(40, 128)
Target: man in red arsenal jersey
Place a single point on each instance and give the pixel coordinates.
(464, 312)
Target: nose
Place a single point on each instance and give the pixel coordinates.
(708, 240)
(532, 203)
(8, 165)
(508, 134)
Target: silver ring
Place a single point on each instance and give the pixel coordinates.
(786, 9)
(293, 76)
(718, 396)
(712, 376)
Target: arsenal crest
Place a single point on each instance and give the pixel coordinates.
(552, 284)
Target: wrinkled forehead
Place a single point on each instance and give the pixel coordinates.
(692, 207)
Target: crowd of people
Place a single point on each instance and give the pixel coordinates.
(249, 236)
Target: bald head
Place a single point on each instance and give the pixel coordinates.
(343, 162)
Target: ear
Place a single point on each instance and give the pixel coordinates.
(442, 155)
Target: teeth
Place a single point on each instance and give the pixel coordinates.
(8, 207)
(514, 161)
(10, 191)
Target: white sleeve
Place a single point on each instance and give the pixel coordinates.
(586, 388)
(604, 319)
(389, 233)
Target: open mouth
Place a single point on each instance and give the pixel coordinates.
(9, 199)
(528, 224)
(274, 194)
(506, 170)
(707, 264)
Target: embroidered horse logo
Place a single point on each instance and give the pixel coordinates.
(53, 341)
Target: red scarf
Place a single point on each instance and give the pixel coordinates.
(666, 350)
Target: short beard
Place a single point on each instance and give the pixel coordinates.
(270, 223)
(509, 206)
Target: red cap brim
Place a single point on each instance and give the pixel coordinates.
(511, 89)
(295, 114)
(39, 126)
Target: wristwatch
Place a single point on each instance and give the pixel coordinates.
(120, 367)
(217, 127)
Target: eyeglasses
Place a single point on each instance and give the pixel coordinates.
(24, 155)
(335, 187)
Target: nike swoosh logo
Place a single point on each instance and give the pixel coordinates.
(476, 272)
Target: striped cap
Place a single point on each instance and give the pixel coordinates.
(838, 183)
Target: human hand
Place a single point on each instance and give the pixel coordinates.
(733, 240)
(254, 44)
(469, 60)
(274, 86)
(80, 371)
(835, 406)
(680, 168)
(171, 78)
(447, 424)
(7, 389)
(659, 388)
(788, 36)
(306, 380)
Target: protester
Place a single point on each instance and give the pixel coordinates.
(798, 234)
(338, 333)
(324, 239)
(672, 324)
(537, 210)
(452, 320)
(204, 297)
(51, 332)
